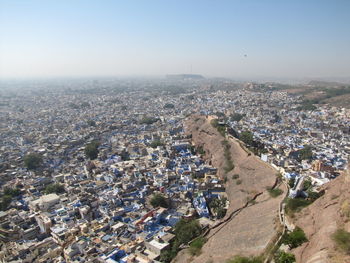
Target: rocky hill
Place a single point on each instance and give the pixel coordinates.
(321, 220)
(252, 221)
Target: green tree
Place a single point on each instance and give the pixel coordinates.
(200, 150)
(6, 199)
(307, 184)
(295, 205)
(159, 200)
(12, 191)
(91, 123)
(221, 212)
(236, 117)
(185, 231)
(156, 143)
(5, 202)
(167, 255)
(291, 182)
(91, 150)
(54, 188)
(218, 207)
(220, 128)
(283, 257)
(33, 161)
(305, 153)
(312, 196)
(125, 155)
(247, 137)
(295, 238)
(169, 106)
(148, 120)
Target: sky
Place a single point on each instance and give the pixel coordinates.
(215, 38)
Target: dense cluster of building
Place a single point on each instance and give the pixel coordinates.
(105, 213)
(276, 121)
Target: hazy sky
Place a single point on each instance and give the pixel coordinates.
(292, 39)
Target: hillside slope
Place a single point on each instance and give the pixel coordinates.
(251, 228)
(321, 219)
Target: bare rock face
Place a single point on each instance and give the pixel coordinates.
(251, 228)
(321, 219)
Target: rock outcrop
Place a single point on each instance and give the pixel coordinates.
(321, 219)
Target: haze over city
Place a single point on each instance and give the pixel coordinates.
(174, 131)
(235, 39)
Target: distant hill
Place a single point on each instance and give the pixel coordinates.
(314, 92)
(184, 76)
(320, 83)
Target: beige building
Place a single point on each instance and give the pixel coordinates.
(45, 202)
